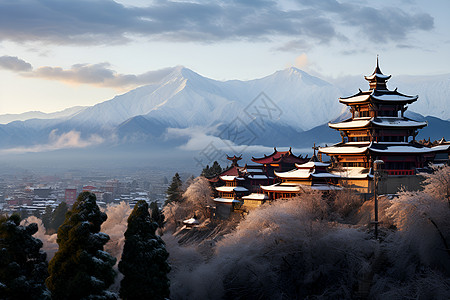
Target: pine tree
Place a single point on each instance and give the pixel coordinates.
(157, 215)
(58, 216)
(212, 171)
(144, 258)
(23, 266)
(47, 219)
(81, 269)
(174, 191)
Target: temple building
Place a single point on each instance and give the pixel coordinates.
(378, 130)
(312, 175)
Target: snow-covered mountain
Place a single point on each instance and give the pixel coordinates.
(185, 99)
(8, 118)
(287, 108)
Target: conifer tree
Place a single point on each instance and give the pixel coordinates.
(212, 171)
(144, 258)
(174, 191)
(23, 266)
(47, 218)
(157, 215)
(81, 269)
(58, 216)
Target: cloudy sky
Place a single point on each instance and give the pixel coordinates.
(57, 54)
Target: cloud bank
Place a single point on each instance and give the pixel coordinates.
(99, 74)
(101, 22)
(67, 140)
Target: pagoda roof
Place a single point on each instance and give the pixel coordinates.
(444, 147)
(231, 178)
(232, 170)
(226, 200)
(379, 121)
(312, 164)
(303, 174)
(256, 196)
(346, 148)
(353, 172)
(291, 188)
(231, 189)
(399, 148)
(234, 157)
(279, 156)
(377, 73)
(384, 96)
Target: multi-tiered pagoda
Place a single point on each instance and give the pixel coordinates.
(377, 130)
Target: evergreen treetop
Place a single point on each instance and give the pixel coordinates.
(144, 258)
(212, 171)
(80, 268)
(174, 191)
(23, 266)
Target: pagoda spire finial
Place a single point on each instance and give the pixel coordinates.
(377, 68)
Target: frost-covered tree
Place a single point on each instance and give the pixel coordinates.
(81, 269)
(174, 191)
(198, 196)
(23, 266)
(144, 258)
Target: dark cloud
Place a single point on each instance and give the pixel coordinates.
(14, 63)
(94, 74)
(106, 22)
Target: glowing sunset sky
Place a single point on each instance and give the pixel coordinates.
(57, 54)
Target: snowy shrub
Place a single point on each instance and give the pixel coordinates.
(283, 250)
(198, 196)
(115, 227)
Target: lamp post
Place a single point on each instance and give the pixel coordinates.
(376, 175)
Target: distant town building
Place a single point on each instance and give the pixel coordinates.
(70, 196)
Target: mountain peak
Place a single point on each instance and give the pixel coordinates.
(294, 74)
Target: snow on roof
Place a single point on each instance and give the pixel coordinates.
(230, 178)
(352, 172)
(258, 176)
(226, 200)
(311, 164)
(377, 75)
(350, 124)
(324, 175)
(441, 148)
(191, 221)
(399, 148)
(296, 173)
(394, 97)
(358, 98)
(255, 171)
(397, 122)
(231, 189)
(343, 149)
(326, 187)
(282, 188)
(256, 196)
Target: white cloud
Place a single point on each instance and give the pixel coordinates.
(67, 140)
